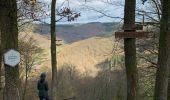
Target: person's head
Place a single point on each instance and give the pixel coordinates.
(42, 76)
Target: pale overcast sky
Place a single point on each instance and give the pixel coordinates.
(114, 9)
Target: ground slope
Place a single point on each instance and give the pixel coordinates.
(86, 54)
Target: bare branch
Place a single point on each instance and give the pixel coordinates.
(101, 12)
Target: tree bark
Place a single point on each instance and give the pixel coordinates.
(161, 86)
(1, 88)
(26, 82)
(9, 36)
(169, 59)
(130, 50)
(53, 50)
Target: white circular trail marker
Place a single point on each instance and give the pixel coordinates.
(12, 58)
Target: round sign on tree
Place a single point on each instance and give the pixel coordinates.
(12, 58)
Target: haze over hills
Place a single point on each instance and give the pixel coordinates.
(75, 32)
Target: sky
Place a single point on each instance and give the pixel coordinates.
(90, 10)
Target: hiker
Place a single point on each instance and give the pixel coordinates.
(42, 87)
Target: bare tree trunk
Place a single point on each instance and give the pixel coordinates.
(53, 51)
(1, 88)
(130, 50)
(26, 83)
(169, 59)
(161, 86)
(9, 36)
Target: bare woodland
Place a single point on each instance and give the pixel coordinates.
(91, 66)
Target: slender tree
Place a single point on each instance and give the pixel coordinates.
(53, 50)
(9, 36)
(130, 50)
(0, 66)
(169, 59)
(161, 85)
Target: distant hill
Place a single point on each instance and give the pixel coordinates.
(87, 45)
(70, 33)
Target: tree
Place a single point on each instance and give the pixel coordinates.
(169, 64)
(53, 50)
(63, 13)
(31, 55)
(31, 11)
(163, 56)
(9, 36)
(0, 66)
(130, 50)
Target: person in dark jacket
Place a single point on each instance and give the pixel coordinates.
(42, 87)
